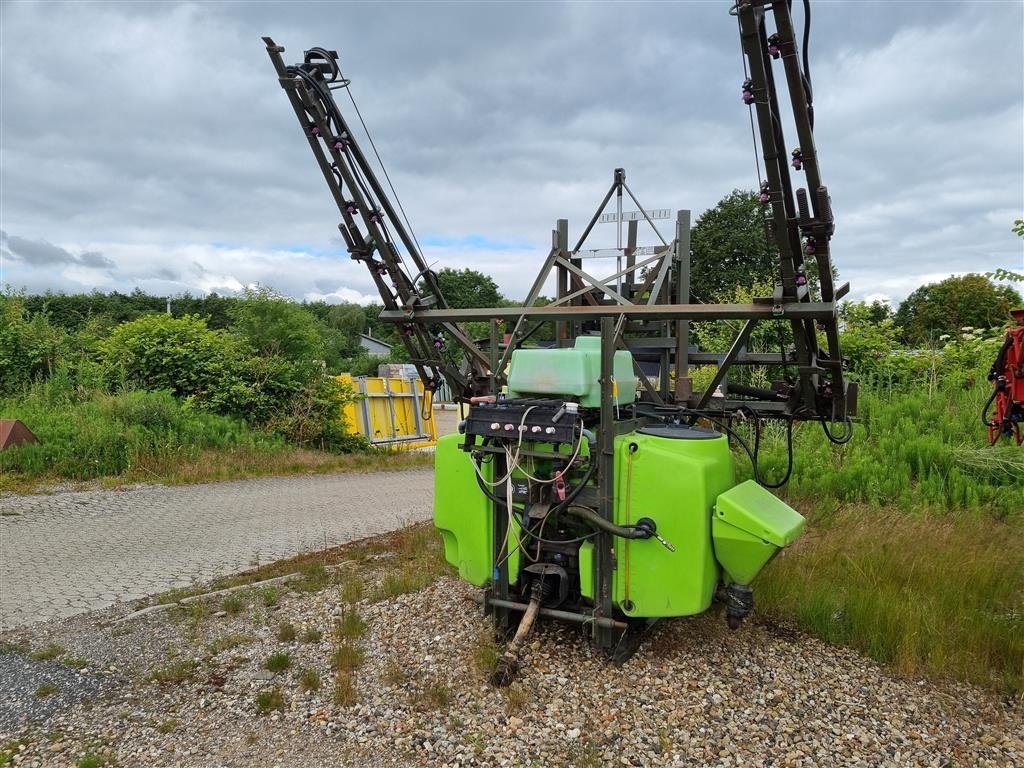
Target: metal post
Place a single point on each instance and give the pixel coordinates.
(626, 282)
(684, 384)
(562, 243)
(495, 352)
(606, 478)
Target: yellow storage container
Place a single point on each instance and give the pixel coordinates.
(390, 412)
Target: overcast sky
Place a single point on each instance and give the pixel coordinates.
(149, 145)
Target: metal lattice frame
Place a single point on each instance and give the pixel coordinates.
(649, 302)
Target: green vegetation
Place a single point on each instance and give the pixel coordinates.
(350, 625)
(346, 657)
(345, 692)
(269, 700)
(269, 596)
(278, 662)
(48, 653)
(485, 653)
(233, 604)
(926, 593)
(93, 760)
(175, 673)
(46, 689)
(286, 632)
(434, 695)
(954, 303)
(312, 635)
(915, 549)
(229, 642)
(516, 697)
(155, 397)
(309, 680)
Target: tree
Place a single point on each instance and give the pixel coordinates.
(730, 247)
(467, 288)
(954, 303)
(276, 326)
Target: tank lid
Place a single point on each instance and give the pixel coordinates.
(679, 432)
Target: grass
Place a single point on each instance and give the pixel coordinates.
(418, 548)
(309, 680)
(516, 698)
(269, 700)
(346, 657)
(286, 632)
(315, 577)
(278, 662)
(433, 695)
(229, 642)
(269, 596)
(350, 625)
(233, 604)
(394, 673)
(49, 653)
(345, 692)
(485, 652)
(75, 662)
(915, 452)
(929, 595)
(93, 760)
(168, 726)
(175, 673)
(311, 635)
(138, 436)
(150, 437)
(46, 689)
(352, 589)
(586, 754)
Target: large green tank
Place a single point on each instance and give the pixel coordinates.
(672, 475)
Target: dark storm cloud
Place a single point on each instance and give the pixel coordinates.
(155, 134)
(39, 253)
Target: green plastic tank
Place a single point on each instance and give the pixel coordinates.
(674, 476)
(680, 477)
(570, 373)
(463, 514)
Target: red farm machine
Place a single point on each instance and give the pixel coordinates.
(1007, 377)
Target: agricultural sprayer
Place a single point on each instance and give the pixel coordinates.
(589, 482)
(1007, 377)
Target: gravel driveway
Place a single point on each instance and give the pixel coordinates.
(66, 553)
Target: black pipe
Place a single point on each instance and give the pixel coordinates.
(585, 513)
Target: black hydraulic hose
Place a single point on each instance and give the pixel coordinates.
(759, 392)
(789, 454)
(807, 64)
(988, 404)
(594, 519)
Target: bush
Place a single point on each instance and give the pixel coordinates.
(29, 345)
(180, 355)
(101, 434)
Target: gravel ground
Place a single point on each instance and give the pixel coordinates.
(695, 695)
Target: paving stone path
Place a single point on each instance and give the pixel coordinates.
(66, 553)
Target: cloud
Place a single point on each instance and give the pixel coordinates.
(173, 144)
(39, 253)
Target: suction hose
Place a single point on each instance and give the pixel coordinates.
(644, 528)
(508, 664)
